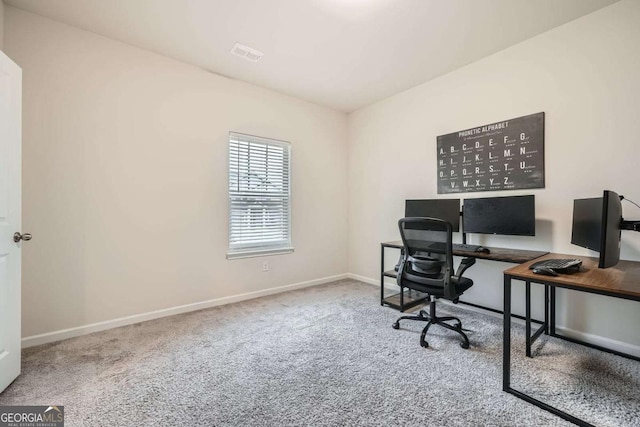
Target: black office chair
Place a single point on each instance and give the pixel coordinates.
(427, 267)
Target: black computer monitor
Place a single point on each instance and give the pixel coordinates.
(446, 209)
(596, 226)
(512, 216)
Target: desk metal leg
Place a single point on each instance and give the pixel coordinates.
(549, 408)
(530, 339)
(506, 338)
(546, 309)
(552, 330)
(381, 275)
(527, 316)
(506, 356)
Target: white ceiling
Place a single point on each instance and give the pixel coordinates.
(344, 54)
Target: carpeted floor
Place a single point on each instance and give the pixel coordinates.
(322, 356)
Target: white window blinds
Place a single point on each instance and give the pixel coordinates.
(259, 195)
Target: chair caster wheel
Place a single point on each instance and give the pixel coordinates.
(424, 344)
(464, 345)
(396, 325)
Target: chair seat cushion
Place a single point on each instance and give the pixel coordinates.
(425, 285)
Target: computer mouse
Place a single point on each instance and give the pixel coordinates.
(483, 250)
(545, 271)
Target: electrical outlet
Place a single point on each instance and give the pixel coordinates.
(265, 266)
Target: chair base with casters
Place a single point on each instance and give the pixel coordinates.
(432, 319)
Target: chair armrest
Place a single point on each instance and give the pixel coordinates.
(464, 265)
(401, 268)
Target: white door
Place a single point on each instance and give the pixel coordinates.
(10, 169)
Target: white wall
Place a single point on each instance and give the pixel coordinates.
(585, 77)
(1, 25)
(125, 179)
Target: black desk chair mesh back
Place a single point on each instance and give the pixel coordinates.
(427, 267)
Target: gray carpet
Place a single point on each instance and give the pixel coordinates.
(322, 356)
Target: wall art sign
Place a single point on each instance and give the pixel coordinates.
(506, 155)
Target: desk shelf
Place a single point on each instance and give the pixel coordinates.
(391, 273)
(410, 299)
(405, 299)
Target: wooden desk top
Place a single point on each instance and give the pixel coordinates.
(516, 256)
(621, 280)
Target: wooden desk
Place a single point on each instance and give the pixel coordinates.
(620, 281)
(414, 298)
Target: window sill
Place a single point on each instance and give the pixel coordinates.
(258, 253)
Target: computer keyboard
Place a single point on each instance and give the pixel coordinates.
(560, 264)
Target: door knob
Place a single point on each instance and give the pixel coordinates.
(17, 237)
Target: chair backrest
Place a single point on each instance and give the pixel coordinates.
(428, 257)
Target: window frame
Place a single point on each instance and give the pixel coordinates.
(249, 249)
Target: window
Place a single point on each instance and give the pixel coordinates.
(259, 196)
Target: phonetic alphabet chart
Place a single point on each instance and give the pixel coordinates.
(506, 155)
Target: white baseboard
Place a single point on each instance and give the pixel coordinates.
(598, 340)
(374, 282)
(605, 342)
(137, 318)
(363, 279)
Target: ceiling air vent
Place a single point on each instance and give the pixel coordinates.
(246, 52)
